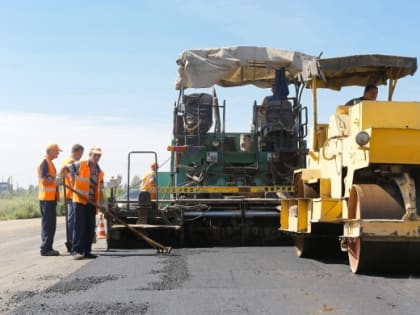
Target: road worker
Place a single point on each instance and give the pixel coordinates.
(76, 154)
(48, 195)
(148, 182)
(87, 179)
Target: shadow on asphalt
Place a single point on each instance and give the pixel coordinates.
(133, 253)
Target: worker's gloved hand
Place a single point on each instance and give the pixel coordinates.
(59, 180)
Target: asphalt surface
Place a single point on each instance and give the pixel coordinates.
(241, 280)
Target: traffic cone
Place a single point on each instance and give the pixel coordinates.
(101, 227)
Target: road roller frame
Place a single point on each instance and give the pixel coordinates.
(381, 230)
(358, 193)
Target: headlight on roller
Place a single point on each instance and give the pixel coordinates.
(362, 138)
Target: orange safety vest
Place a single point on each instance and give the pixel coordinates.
(67, 179)
(47, 192)
(148, 183)
(82, 183)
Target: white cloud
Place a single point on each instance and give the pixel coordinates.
(25, 136)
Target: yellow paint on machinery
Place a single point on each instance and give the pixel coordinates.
(225, 189)
(298, 214)
(382, 114)
(394, 130)
(294, 215)
(383, 230)
(391, 146)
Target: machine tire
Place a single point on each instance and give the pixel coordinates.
(370, 201)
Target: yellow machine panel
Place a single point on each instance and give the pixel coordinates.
(382, 114)
(400, 146)
(327, 210)
(295, 214)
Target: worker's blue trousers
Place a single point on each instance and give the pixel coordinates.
(48, 224)
(84, 228)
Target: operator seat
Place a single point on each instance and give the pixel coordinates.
(279, 116)
(279, 133)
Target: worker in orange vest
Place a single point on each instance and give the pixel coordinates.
(148, 182)
(48, 195)
(87, 178)
(76, 154)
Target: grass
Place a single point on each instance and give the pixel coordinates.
(22, 205)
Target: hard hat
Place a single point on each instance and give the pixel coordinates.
(95, 150)
(53, 146)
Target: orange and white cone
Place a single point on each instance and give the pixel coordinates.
(101, 227)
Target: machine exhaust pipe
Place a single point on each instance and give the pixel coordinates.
(216, 112)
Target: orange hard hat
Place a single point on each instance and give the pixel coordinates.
(54, 147)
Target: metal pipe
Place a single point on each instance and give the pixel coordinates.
(315, 114)
(216, 113)
(232, 213)
(261, 201)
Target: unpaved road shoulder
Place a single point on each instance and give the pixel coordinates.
(22, 269)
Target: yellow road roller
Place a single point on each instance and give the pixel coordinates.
(358, 193)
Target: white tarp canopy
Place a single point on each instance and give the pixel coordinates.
(357, 70)
(235, 66)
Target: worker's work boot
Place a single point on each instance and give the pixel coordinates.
(78, 256)
(68, 246)
(51, 252)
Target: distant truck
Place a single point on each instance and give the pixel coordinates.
(6, 187)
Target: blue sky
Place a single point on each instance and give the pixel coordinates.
(103, 72)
